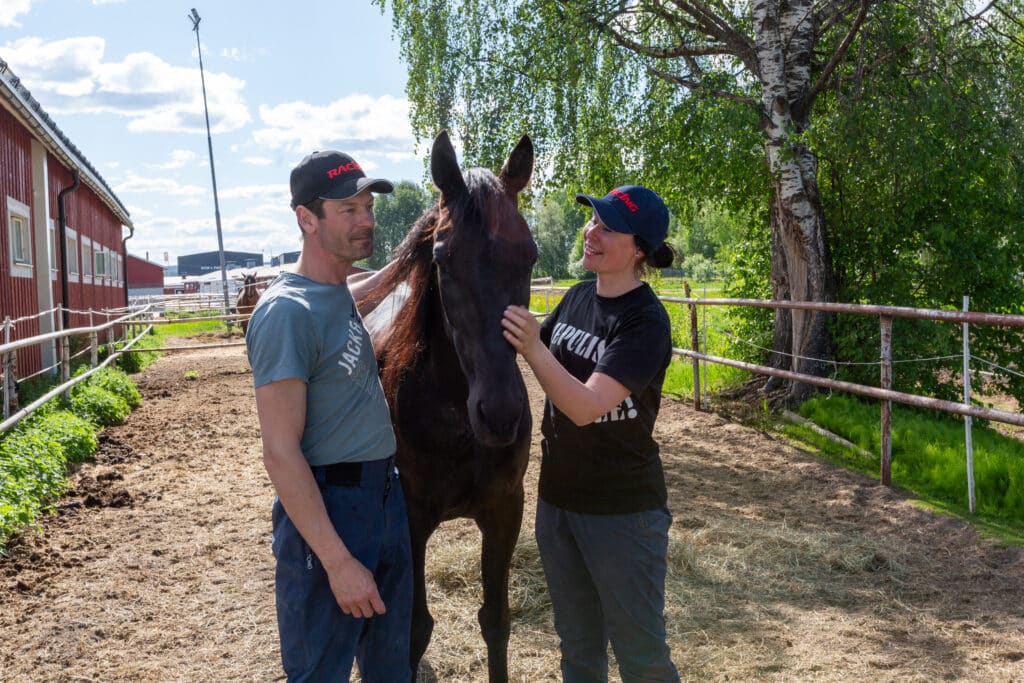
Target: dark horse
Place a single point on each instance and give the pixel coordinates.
(458, 401)
(248, 295)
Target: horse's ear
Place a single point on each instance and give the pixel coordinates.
(515, 174)
(444, 167)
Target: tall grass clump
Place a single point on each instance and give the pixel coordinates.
(929, 454)
(117, 382)
(35, 453)
(32, 468)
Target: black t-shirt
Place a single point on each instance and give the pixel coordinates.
(611, 466)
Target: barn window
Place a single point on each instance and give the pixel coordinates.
(19, 237)
(87, 260)
(71, 249)
(101, 262)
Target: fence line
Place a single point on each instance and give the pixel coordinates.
(885, 394)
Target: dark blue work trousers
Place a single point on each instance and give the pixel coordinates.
(606, 577)
(318, 641)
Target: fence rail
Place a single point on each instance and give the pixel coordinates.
(885, 394)
(120, 336)
(154, 311)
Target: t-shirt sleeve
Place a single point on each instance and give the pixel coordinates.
(280, 343)
(639, 349)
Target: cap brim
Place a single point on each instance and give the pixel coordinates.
(352, 188)
(607, 212)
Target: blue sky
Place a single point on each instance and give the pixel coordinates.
(121, 79)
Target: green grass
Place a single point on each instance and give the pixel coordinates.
(929, 459)
(187, 329)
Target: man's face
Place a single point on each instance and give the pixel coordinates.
(346, 230)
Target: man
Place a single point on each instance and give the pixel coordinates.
(340, 535)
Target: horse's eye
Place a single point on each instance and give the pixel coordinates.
(441, 254)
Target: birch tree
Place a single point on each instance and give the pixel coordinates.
(617, 90)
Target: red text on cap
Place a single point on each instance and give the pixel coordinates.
(633, 208)
(345, 168)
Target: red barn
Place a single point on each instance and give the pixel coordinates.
(144, 277)
(55, 209)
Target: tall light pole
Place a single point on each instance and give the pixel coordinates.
(194, 18)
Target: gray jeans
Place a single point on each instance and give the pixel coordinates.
(606, 577)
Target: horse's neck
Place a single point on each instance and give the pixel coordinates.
(436, 366)
(378, 321)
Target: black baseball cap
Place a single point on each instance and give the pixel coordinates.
(331, 175)
(634, 210)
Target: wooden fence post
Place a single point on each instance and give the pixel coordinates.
(968, 440)
(8, 368)
(695, 346)
(886, 382)
(94, 356)
(65, 350)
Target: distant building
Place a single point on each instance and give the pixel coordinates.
(55, 208)
(144, 277)
(209, 261)
(286, 257)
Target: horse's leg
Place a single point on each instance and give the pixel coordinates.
(421, 526)
(499, 526)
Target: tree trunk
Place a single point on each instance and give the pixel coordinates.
(801, 264)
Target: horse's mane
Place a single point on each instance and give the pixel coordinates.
(404, 341)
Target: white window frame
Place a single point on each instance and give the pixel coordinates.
(87, 256)
(71, 253)
(19, 220)
(100, 261)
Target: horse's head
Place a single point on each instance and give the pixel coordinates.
(483, 254)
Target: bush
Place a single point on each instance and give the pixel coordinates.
(31, 475)
(117, 382)
(99, 406)
(76, 435)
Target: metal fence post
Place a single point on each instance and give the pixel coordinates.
(886, 383)
(8, 368)
(94, 356)
(65, 351)
(695, 345)
(968, 439)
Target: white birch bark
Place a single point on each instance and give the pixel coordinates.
(784, 40)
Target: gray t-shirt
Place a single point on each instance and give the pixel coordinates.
(311, 331)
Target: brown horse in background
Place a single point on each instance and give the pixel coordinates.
(248, 295)
(458, 402)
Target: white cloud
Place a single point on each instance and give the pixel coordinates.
(179, 159)
(158, 186)
(10, 9)
(71, 76)
(242, 54)
(367, 127)
(257, 161)
(107, 2)
(279, 193)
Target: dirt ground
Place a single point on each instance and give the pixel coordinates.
(157, 565)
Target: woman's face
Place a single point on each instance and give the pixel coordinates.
(607, 252)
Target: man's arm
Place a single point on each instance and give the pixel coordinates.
(282, 411)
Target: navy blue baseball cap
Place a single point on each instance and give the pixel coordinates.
(634, 210)
(331, 175)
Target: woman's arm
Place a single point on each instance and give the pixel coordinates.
(581, 402)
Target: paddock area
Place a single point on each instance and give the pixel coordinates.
(157, 565)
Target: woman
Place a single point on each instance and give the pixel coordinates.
(602, 521)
